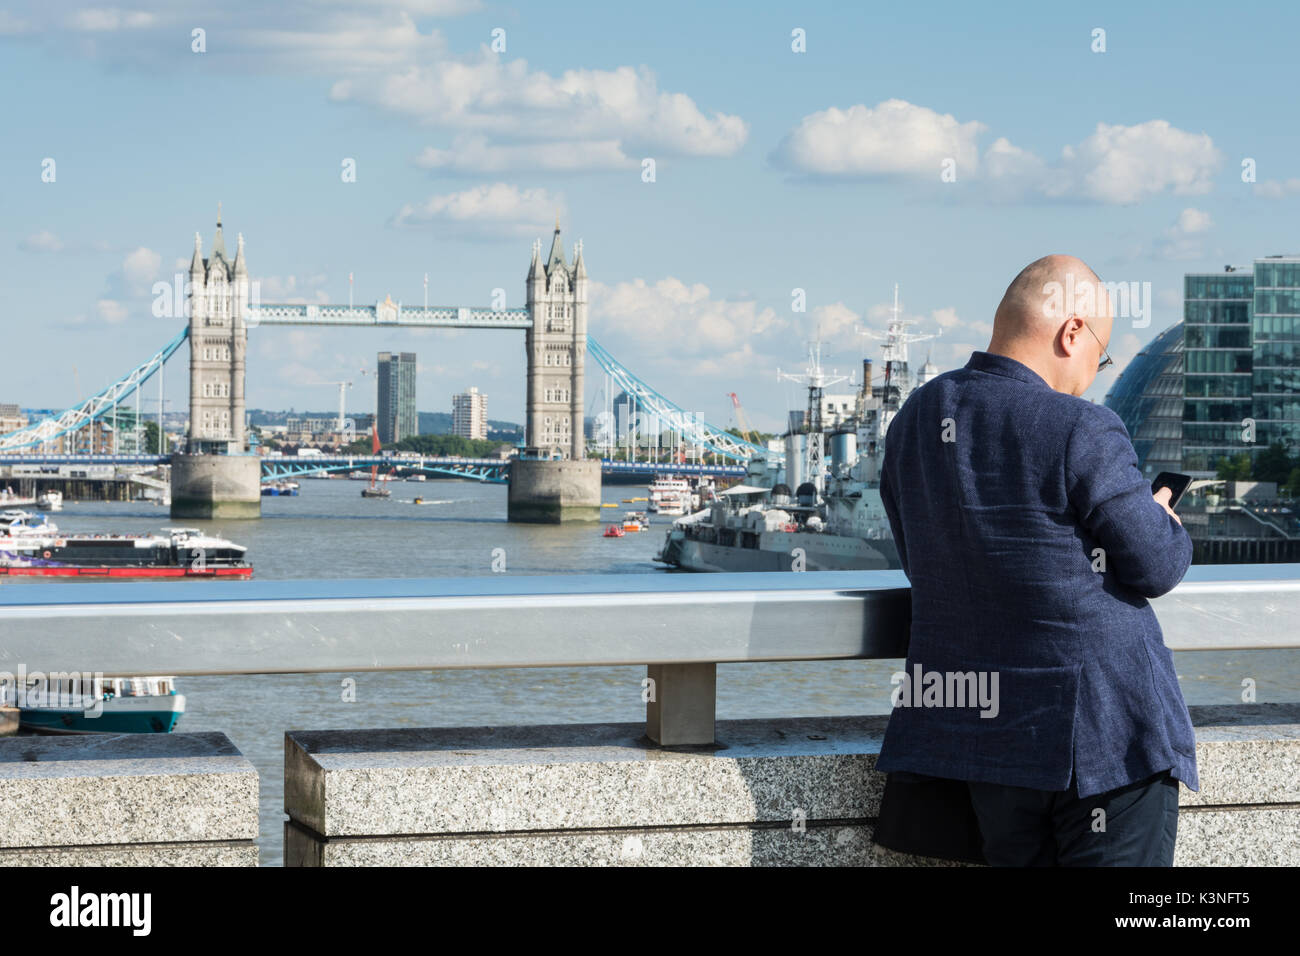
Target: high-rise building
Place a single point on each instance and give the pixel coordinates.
(469, 414)
(1237, 351)
(395, 413)
(1242, 355)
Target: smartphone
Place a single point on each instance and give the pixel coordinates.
(1175, 482)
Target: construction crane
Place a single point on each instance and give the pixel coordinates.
(745, 430)
(343, 394)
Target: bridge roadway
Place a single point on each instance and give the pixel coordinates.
(277, 467)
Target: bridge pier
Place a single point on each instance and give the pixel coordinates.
(555, 491)
(216, 486)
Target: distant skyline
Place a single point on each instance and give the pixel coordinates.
(941, 147)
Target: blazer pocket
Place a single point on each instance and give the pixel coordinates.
(1030, 741)
(1020, 733)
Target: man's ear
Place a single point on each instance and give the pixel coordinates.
(1070, 333)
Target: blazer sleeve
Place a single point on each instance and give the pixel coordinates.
(1145, 547)
(891, 509)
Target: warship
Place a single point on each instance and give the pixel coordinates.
(833, 519)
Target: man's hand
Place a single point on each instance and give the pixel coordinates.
(1163, 496)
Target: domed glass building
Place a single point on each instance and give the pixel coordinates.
(1148, 398)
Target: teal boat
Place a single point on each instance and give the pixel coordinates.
(83, 704)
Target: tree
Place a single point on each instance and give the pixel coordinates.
(1274, 464)
(150, 439)
(1292, 488)
(1236, 468)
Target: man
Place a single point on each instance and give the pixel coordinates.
(1037, 671)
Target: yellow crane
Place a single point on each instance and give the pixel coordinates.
(745, 430)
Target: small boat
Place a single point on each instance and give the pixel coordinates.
(613, 531)
(417, 477)
(85, 704)
(280, 489)
(11, 499)
(50, 501)
(375, 491)
(635, 521)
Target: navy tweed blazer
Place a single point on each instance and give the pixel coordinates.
(1032, 544)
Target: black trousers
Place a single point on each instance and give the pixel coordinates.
(1134, 825)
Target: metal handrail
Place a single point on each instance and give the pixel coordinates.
(688, 622)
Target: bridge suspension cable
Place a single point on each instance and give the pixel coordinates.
(95, 407)
(689, 424)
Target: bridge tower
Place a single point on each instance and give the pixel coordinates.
(215, 478)
(542, 488)
(556, 347)
(218, 342)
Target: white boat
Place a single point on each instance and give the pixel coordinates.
(417, 477)
(16, 523)
(12, 499)
(50, 501)
(670, 495)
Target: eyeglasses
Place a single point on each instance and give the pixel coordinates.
(1107, 360)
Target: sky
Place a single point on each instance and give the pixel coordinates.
(830, 148)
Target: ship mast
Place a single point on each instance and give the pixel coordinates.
(898, 376)
(816, 380)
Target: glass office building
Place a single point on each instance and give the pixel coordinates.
(396, 416)
(1148, 398)
(1275, 328)
(1217, 357)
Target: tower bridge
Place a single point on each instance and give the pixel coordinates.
(555, 482)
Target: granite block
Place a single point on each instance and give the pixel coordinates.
(98, 790)
(566, 776)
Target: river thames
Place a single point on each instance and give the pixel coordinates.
(329, 531)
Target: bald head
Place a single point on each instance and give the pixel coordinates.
(1049, 318)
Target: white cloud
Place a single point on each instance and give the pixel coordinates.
(894, 137)
(292, 289)
(1125, 164)
(1273, 189)
(11, 25)
(110, 310)
(474, 154)
(499, 210)
(1192, 221)
(109, 19)
(140, 269)
(1115, 164)
(1184, 240)
(43, 241)
(608, 117)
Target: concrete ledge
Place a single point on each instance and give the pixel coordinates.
(145, 798)
(144, 854)
(603, 793)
